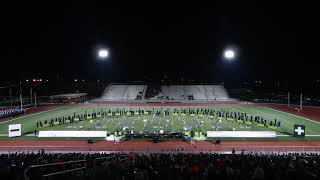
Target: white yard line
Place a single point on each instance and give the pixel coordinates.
(134, 119)
(201, 126)
(292, 105)
(31, 135)
(30, 115)
(159, 124)
(144, 125)
(307, 135)
(294, 115)
(172, 124)
(152, 120)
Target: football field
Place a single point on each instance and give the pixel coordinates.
(156, 121)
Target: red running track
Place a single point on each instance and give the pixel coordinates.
(167, 146)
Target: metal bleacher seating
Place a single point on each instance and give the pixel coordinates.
(123, 92)
(175, 92)
(115, 92)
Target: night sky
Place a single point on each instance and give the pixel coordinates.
(274, 41)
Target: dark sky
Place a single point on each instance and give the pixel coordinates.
(274, 41)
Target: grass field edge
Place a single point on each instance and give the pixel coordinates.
(3, 122)
(293, 115)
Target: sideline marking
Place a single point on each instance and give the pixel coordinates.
(307, 135)
(30, 115)
(293, 115)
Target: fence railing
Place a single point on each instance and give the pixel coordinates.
(63, 165)
(102, 160)
(47, 176)
(70, 167)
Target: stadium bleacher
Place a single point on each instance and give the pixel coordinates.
(153, 92)
(197, 91)
(123, 92)
(216, 92)
(133, 91)
(116, 92)
(173, 92)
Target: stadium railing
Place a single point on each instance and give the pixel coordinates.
(79, 165)
(102, 160)
(48, 176)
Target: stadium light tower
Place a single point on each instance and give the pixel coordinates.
(103, 54)
(229, 54)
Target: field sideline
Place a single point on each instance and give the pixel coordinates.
(153, 123)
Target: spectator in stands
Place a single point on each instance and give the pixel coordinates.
(168, 166)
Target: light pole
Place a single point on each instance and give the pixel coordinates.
(35, 98)
(21, 105)
(103, 54)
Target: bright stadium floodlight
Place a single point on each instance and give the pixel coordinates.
(103, 54)
(229, 54)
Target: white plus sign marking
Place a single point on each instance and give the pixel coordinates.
(299, 130)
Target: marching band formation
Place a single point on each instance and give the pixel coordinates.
(198, 113)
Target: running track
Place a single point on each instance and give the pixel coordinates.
(167, 146)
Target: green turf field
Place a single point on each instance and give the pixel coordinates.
(153, 123)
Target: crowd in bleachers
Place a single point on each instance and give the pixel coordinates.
(168, 166)
(6, 112)
(153, 91)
